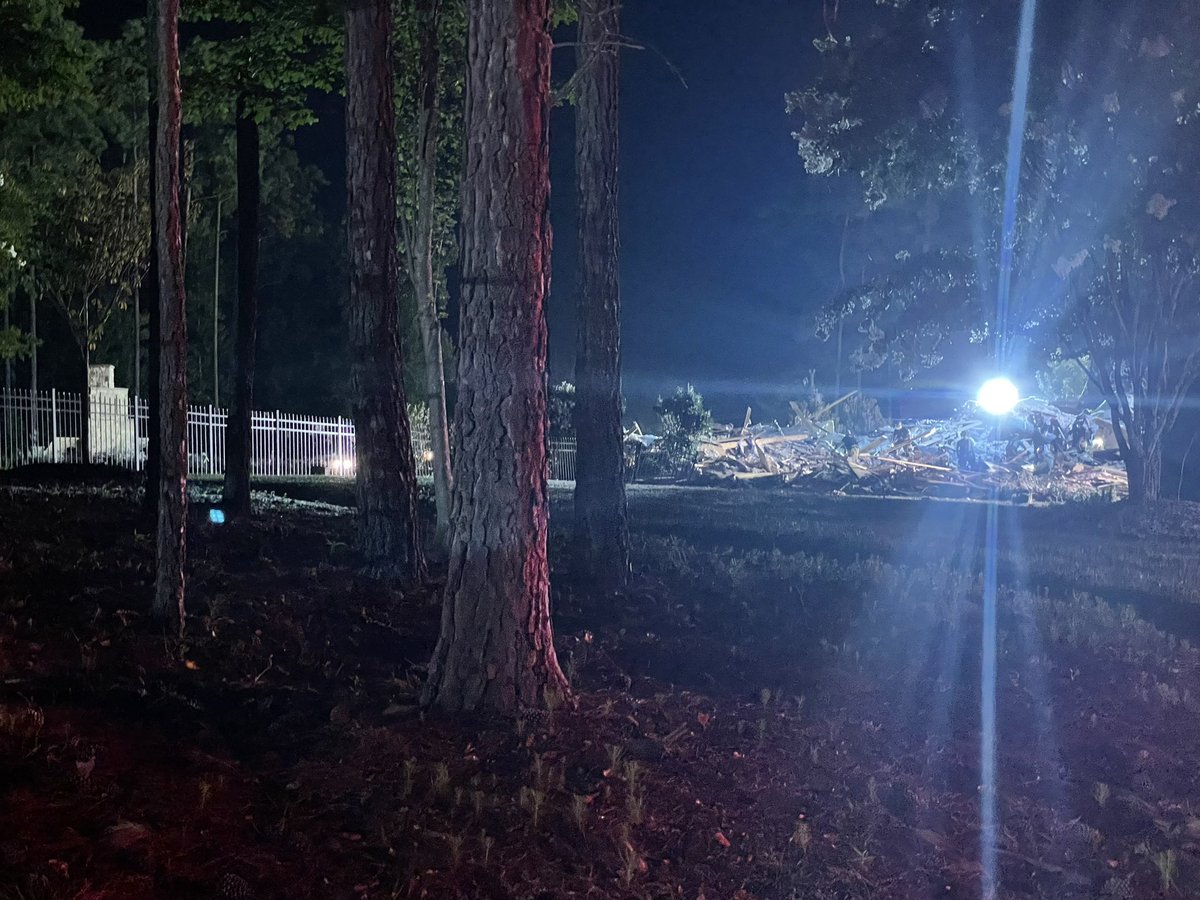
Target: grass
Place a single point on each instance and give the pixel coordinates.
(784, 704)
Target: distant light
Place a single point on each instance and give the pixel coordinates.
(998, 396)
(216, 516)
(340, 465)
(427, 456)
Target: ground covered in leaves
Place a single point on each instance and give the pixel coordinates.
(786, 703)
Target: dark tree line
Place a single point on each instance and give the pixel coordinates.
(490, 105)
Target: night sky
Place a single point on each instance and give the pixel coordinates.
(727, 246)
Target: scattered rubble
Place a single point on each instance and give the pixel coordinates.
(1038, 452)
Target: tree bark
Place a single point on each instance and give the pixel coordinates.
(1144, 470)
(386, 482)
(496, 649)
(8, 364)
(153, 453)
(34, 425)
(421, 268)
(601, 528)
(85, 406)
(172, 488)
(238, 434)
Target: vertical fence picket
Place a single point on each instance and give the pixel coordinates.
(47, 426)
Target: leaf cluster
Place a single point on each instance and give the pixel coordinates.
(271, 54)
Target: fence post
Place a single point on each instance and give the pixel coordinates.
(54, 424)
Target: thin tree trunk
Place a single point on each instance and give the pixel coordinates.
(238, 434)
(601, 527)
(496, 648)
(33, 369)
(386, 482)
(8, 366)
(421, 271)
(216, 310)
(85, 406)
(172, 501)
(153, 331)
(8, 377)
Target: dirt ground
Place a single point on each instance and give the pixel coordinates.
(786, 703)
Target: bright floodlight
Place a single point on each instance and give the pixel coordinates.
(998, 396)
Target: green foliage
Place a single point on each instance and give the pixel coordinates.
(74, 218)
(560, 409)
(683, 422)
(43, 56)
(274, 54)
(452, 34)
(1111, 151)
(13, 344)
(563, 12)
(418, 417)
(89, 258)
(1062, 381)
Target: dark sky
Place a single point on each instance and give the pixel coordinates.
(725, 243)
(727, 247)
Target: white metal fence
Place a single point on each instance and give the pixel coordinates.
(46, 427)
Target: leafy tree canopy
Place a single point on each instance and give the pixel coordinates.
(43, 57)
(913, 104)
(452, 33)
(271, 53)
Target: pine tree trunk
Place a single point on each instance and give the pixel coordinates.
(425, 284)
(172, 500)
(496, 650)
(239, 433)
(601, 529)
(386, 482)
(151, 292)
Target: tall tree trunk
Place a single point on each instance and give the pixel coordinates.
(8, 377)
(35, 426)
(421, 268)
(153, 331)
(85, 406)
(386, 482)
(8, 364)
(601, 528)
(238, 434)
(172, 488)
(496, 648)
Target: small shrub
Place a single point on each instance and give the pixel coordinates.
(683, 421)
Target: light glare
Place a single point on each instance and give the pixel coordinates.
(998, 396)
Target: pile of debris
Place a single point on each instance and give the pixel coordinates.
(1038, 452)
